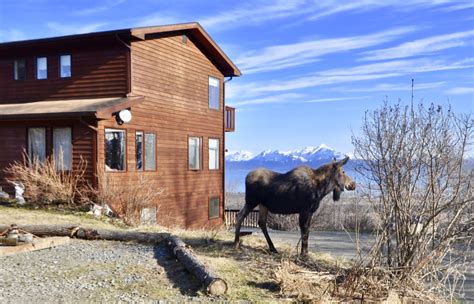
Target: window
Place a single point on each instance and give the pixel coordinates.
(194, 153)
(214, 207)
(36, 144)
(19, 69)
(213, 93)
(213, 154)
(41, 68)
(114, 150)
(150, 151)
(139, 150)
(62, 148)
(65, 66)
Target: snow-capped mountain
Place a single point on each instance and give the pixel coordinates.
(311, 156)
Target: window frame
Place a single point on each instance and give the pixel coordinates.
(211, 198)
(72, 145)
(209, 93)
(218, 163)
(14, 69)
(36, 67)
(144, 151)
(59, 65)
(201, 150)
(125, 167)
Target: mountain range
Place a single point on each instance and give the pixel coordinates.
(281, 160)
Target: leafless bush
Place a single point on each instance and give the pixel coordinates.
(129, 200)
(45, 185)
(420, 188)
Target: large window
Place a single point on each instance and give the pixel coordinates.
(194, 148)
(214, 207)
(214, 93)
(139, 150)
(65, 66)
(115, 150)
(37, 144)
(150, 151)
(19, 69)
(41, 68)
(62, 148)
(213, 154)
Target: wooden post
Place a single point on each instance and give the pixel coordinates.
(213, 284)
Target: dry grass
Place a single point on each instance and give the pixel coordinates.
(45, 185)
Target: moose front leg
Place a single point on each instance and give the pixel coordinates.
(305, 222)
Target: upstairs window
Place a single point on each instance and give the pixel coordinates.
(36, 144)
(65, 66)
(214, 93)
(41, 68)
(194, 151)
(213, 154)
(150, 151)
(62, 147)
(19, 69)
(114, 150)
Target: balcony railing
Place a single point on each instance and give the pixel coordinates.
(229, 119)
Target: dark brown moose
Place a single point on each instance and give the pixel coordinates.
(297, 191)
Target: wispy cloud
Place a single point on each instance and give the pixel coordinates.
(98, 9)
(11, 35)
(460, 91)
(160, 18)
(294, 54)
(373, 71)
(391, 87)
(290, 98)
(421, 46)
(68, 29)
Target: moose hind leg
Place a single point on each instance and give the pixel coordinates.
(240, 218)
(262, 223)
(304, 221)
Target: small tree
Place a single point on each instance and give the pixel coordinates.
(420, 187)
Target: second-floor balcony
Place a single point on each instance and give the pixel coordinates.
(229, 119)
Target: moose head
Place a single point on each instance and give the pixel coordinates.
(341, 180)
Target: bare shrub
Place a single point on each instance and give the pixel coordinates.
(45, 184)
(421, 189)
(129, 200)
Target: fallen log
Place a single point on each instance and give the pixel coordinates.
(85, 233)
(212, 284)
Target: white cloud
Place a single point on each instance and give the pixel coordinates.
(372, 71)
(11, 35)
(460, 91)
(283, 98)
(386, 87)
(289, 55)
(421, 46)
(98, 9)
(68, 29)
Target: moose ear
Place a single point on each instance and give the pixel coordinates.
(344, 161)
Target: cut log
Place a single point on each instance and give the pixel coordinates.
(37, 244)
(212, 284)
(93, 234)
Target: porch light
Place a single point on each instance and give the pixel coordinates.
(123, 116)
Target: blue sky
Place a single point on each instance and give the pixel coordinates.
(310, 68)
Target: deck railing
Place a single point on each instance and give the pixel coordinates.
(250, 221)
(229, 119)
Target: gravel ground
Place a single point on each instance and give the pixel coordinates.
(96, 271)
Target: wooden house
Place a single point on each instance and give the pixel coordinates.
(138, 104)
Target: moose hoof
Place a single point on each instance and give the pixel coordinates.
(237, 245)
(273, 250)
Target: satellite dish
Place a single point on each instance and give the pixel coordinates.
(125, 116)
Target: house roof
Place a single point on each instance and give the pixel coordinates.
(193, 29)
(98, 107)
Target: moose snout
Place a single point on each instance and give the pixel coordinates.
(351, 186)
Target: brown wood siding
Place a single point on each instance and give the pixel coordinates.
(173, 77)
(13, 139)
(97, 71)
